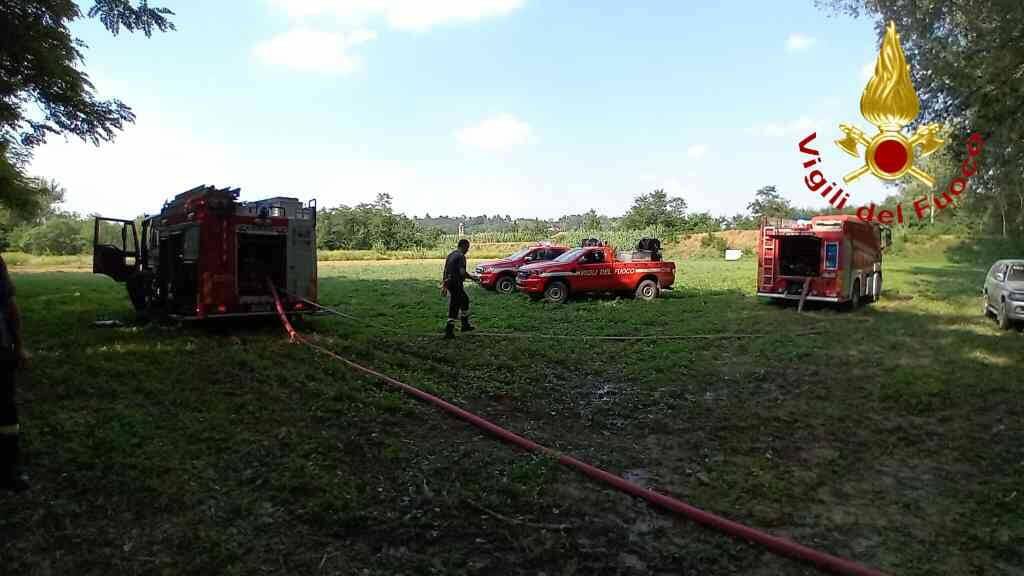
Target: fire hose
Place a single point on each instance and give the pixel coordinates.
(724, 335)
(775, 544)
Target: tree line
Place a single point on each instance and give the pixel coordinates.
(47, 229)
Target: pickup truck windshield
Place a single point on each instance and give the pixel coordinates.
(1016, 273)
(570, 255)
(520, 254)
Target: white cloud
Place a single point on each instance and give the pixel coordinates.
(496, 133)
(779, 129)
(415, 15)
(697, 151)
(797, 42)
(153, 160)
(313, 50)
(867, 71)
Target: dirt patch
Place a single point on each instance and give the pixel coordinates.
(745, 240)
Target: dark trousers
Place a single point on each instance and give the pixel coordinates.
(8, 418)
(8, 409)
(458, 301)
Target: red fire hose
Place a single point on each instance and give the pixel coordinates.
(775, 544)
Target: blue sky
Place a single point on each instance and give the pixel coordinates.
(520, 107)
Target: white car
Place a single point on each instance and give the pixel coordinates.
(1004, 292)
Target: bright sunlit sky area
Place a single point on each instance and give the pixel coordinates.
(532, 108)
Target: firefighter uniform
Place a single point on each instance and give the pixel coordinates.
(452, 284)
(10, 355)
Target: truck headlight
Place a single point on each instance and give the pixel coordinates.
(1017, 296)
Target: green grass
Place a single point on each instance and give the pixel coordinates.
(895, 436)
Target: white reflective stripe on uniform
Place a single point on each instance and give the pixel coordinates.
(9, 430)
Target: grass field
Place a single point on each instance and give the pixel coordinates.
(894, 436)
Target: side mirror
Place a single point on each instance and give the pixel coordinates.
(528, 259)
(1000, 277)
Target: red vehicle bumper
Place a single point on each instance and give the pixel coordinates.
(488, 279)
(531, 284)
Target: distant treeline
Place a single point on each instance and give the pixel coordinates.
(47, 230)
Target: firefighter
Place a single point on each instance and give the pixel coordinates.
(458, 301)
(12, 357)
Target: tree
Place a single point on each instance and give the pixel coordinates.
(591, 220)
(967, 66)
(768, 202)
(653, 209)
(43, 89)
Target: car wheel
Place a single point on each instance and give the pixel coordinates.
(1004, 316)
(985, 310)
(557, 292)
(647, 290)
(505, 285)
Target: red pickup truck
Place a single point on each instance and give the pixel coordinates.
(500, 275)
(599, 269)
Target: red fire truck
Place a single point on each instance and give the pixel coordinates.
(206, 254)
(828, 258)
(596, 267)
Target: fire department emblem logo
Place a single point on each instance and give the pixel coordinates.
(890, 103)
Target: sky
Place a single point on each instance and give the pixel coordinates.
(530, 108)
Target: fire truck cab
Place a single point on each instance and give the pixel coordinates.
(828, 258)
(206, 254)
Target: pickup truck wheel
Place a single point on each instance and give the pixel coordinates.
(1003, 317)
(557, 292)
(505, 285)
(985, 311)
(647, 290)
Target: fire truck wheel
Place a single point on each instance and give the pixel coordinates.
(855, 295)
(647, 290)
(1003, 317)
(876, 295)
(557, 292)
(505, 285)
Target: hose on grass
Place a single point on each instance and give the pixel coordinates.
(398, 331)
(775, 544)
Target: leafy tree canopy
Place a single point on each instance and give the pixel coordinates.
(43, 87)
(653, 209)
(768, 202)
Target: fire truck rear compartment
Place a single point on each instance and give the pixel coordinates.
(800, 256)
(261, 256)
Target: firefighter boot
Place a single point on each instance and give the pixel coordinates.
(11, 477)
(449, 330)
(465, 325)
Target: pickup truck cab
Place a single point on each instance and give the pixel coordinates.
(599, 269)
(500, 275)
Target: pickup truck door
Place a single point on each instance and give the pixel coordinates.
(992, 285)
(589, 270)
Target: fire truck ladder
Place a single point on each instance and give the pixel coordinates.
(768, 256)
